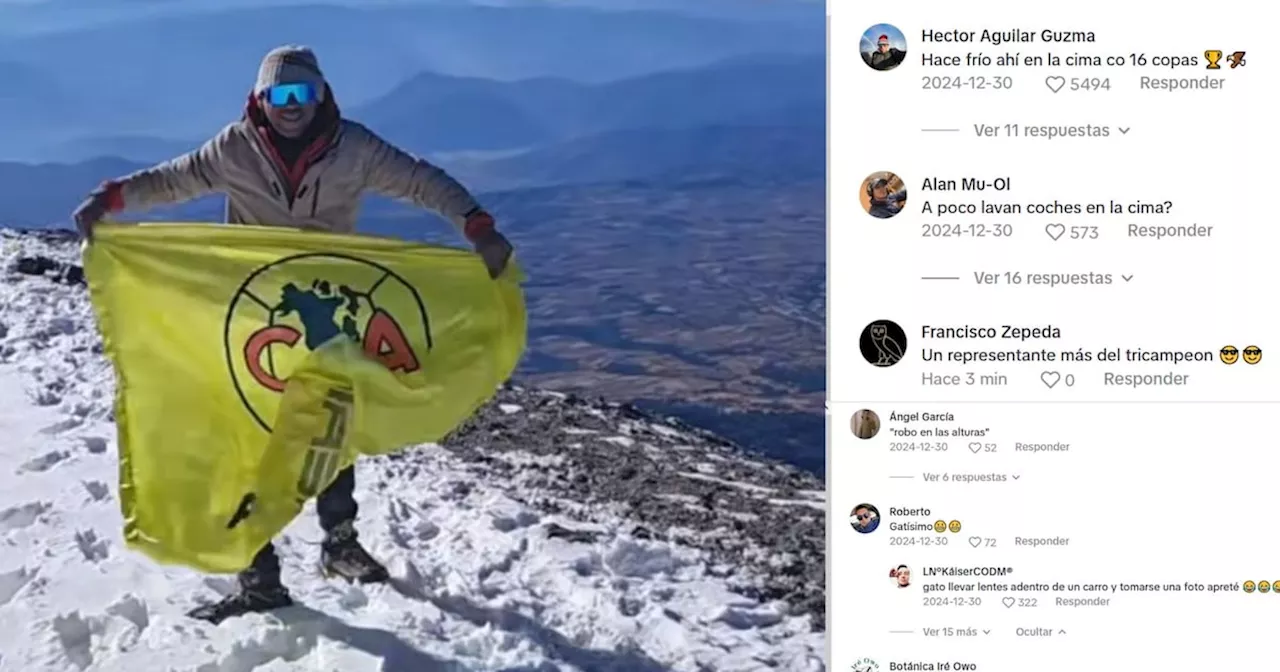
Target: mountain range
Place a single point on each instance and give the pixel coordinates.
(160, 74)
(744, 117)
(432, 112)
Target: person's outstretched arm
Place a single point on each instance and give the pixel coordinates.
(190, 176)
(395, 173)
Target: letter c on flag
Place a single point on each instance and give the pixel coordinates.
(261, 340)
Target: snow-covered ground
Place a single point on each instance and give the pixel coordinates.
(480, 583)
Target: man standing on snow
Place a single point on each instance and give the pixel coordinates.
(292, 160)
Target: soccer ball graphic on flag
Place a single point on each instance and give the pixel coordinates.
(287, 309)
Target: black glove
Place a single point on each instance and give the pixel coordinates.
(493, 247)
(91, 211)
(495, 250)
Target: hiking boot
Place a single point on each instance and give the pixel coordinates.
(342, 555)
(247, 600)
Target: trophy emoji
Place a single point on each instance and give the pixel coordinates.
(1213, 56)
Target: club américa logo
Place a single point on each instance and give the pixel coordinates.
(275, 319)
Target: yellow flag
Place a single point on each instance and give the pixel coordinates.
(254, 363)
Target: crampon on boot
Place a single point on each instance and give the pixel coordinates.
(342, 555)
(256, 599)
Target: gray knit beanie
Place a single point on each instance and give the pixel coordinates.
(288, 65)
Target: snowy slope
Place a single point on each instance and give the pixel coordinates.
(485, 578)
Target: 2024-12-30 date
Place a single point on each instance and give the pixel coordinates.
(973, 601)
(966, 230)
(918, 447)
(974, 83)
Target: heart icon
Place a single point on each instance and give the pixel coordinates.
(974, 541)
(1007, 602)
(1055, 231)
(1050, 378)
(975, 447)
(1055, 83)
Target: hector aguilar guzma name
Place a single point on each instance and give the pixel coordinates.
(998, 37)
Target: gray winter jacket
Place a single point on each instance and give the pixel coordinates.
(323, 193)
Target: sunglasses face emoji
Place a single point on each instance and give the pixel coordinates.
(954, 526)
(940, 526)
(1249, 587)
(1264, 587)
(1251, 354)
(1228, 354)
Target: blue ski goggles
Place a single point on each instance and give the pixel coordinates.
(283, 95)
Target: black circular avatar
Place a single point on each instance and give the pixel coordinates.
(883, 343)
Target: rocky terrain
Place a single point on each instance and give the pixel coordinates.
(762, 522)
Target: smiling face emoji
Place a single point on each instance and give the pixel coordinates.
(954, 526)
(1248, 586)
(1228, 354)
(1264, 587)
(1251, 354)
(940, 526)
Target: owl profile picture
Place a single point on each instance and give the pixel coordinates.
(883, 343)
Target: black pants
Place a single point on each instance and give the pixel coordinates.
(334, 506)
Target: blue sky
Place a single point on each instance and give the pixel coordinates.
(896, 39)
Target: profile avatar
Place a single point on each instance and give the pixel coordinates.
(883, 194)
(865, 424)
(883, 343)
(865, 518)
(883, 47)
(901, 576)
(1229, 355)
(1251, 354)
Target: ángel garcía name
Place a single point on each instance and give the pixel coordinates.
(1015, 35)
(907, 418)
(1002, 331)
